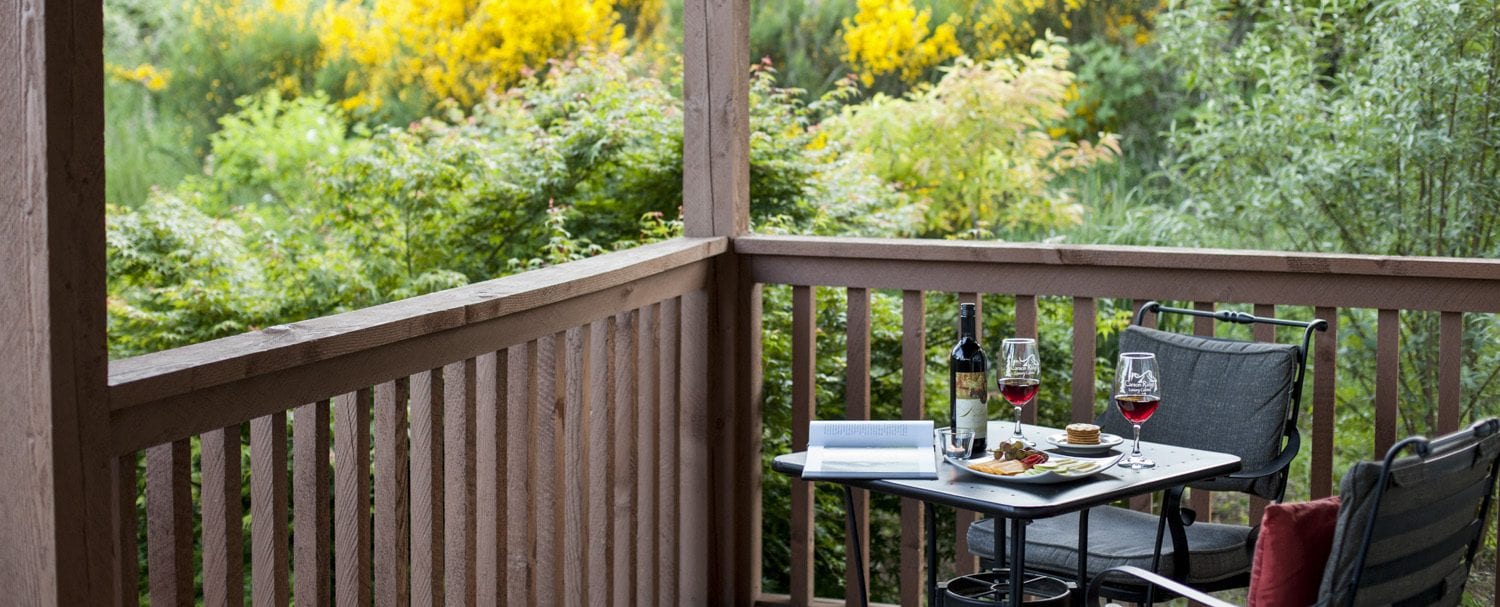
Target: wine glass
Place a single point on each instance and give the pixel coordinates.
(1020, 378)
(1137, 394)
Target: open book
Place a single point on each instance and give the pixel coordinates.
(870, 449)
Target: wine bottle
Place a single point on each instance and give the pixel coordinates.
(967, 393)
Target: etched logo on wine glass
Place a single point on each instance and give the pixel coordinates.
(1139, 383)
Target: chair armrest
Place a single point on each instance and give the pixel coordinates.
(1158, 580)
(1283, 459)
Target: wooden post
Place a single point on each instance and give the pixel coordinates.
(56, 516)
(716, 202)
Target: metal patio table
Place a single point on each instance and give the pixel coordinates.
(1022, 503)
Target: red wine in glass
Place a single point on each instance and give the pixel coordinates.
(1019, 390)
(1137, 407)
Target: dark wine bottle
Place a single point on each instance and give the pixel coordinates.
(967, 393)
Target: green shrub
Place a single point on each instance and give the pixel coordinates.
(991, 174)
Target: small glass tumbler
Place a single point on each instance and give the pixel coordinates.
(954, 443)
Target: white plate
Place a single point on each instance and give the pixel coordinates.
(1045, 478)
(1106, 442)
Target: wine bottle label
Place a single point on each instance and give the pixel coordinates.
(971, 413)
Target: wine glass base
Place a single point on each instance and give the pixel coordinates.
(1012, 438)
(1137, 462)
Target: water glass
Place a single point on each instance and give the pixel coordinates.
(955, 443)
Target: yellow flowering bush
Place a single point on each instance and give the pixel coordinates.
(456, 48)
(893, 37)
(145, 74)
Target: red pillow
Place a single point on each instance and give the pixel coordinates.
(1292, 549)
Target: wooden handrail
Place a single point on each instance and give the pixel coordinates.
(168, 395)
(912, 249)
(1363, 281)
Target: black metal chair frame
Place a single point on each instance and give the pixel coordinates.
(1422, 448)
(1174, 518)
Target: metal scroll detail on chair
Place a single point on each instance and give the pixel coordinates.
(1218, 394)
(1408, 527)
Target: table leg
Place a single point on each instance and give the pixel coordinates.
(859, 560)
(1017, 560)
(932, 557)
(1083, 557)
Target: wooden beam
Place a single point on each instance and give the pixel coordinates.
(56, 521)
(716, 117)
(716, 203)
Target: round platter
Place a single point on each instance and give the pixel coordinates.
(1106, 442)
(1043, 478)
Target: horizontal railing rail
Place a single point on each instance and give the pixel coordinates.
(1324, 282)
(535, 439)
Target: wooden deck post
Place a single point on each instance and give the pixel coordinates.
(716, 202)
(55, 516)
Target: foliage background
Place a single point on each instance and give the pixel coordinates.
(275, 160)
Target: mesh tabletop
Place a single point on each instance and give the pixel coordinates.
(959, 489)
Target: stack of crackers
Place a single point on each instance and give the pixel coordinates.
(1083, 434)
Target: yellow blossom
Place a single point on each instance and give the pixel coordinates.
(145, 74)
(892, 37)
(460, 48)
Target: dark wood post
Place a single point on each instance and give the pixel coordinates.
(55, 514)
(716, 202)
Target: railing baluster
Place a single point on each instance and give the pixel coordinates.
(123, 487)
(1266, 333)
(313, 530)
(351, 471)
(1202, 500)
(269, 550)
(223, 535)
(490, 471)
(572, 474)
(169, 523)
(601, 449)
(458, 482)
(1387, 379)
(646, 432)
(1450, 369)
(804, 410)
(913, 406)
(965, 562)
(667, 455)
(520, 385)
(1325, 360)
(545, 453)
(857, 406)
(427, 389)
(695, 446)
(624, 460)
(392, 511)
(1084, 322)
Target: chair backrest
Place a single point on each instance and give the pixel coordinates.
(1223, 395)
(1409, 526)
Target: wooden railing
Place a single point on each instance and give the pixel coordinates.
(545, 438)
(1085, 274)
(537, 439)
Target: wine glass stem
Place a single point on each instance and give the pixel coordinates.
(1137, 450)
(1018, 420)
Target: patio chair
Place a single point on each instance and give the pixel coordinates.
(1223, 395)
(1408, 527)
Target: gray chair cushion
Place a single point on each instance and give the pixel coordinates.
(1119, 537)
(1217, 394)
